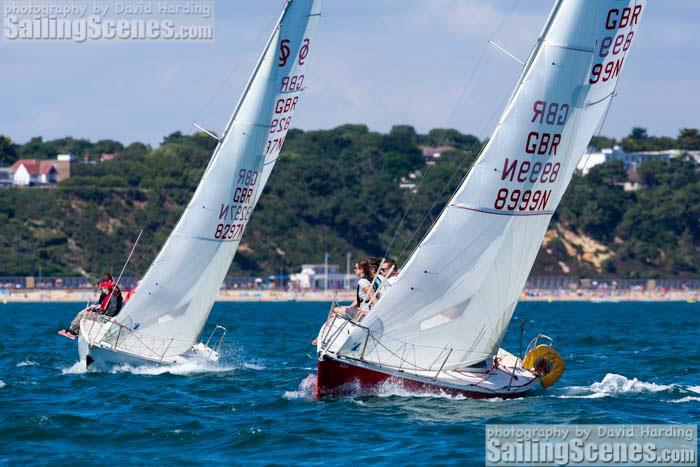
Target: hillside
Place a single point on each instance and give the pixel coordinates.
(338, 191)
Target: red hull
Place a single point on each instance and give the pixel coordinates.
(336, 378)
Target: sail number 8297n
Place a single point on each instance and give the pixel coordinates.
(238, 211)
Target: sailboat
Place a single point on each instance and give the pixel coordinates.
(439, 327)
(163, 320)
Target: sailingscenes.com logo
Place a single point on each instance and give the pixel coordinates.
(589, 445)
(103, 20)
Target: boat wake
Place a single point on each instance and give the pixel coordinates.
(185, 367)
(78, 368)
(614, 385)
(306, 390)
(395, 388)
(389, 388)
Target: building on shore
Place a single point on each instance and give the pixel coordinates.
(5, 177)
(33, 172)
(631, 160)
(321, 276)
(37, 172)
(63, 163)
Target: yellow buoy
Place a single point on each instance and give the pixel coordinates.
(545, 362)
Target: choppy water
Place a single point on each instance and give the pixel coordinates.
(636, 363)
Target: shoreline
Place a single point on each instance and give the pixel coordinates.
(583, 295)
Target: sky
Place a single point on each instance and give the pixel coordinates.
(377, 62)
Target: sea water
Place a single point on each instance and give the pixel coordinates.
(626, 363)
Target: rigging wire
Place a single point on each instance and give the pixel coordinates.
(159, 189)
(449, 122)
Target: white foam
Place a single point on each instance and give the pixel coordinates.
(694, 389)
(612, 385)
(306, 390)
(78, 368)
(686, 399)
(185, 367)
(395, 388)
(2, 384)
(26, 362)
(253, 366)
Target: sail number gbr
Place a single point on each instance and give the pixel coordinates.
(611, 50)
(238, 212)
(537, 166)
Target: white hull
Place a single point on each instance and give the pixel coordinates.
(95, 351)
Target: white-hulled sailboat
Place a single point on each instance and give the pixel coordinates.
(163, 320)
(440, 325)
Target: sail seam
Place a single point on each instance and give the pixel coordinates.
(513, 214)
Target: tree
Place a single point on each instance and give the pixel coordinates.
(689, 138)
(602, 142)
(8, 151)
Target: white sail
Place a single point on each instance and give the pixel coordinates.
(456, 295)
(173, 302)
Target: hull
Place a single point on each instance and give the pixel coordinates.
(336, 377)
(342, 369)
(95, 352)
(99, 357)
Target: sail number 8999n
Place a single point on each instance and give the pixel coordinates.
(522, 200)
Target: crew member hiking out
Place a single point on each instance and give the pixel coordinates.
(109, 304)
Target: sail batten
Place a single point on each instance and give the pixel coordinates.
(487, 238)
(184, 279)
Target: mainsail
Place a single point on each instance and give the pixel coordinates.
(455, 297)
(173, 302)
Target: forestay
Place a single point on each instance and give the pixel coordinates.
(456, 295)
(174, 300)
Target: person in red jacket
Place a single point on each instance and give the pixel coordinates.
(109, 304)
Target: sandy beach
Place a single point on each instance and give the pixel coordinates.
(585, 295)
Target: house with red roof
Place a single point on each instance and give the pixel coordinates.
(32, 172)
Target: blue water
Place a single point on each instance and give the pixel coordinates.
(637, 363)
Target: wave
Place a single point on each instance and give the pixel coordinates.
(185, 367)
(389, 388)
(2, 384)
(253, 366)
(78, 368)
(26, 362)
(685, 399)
(395, 388)
(615, 385)
(306, 390)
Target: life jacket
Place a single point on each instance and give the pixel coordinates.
(104, 302)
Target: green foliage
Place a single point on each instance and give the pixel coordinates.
(450, 137)
(8, 151)
(689, 138)
(596, 203)
(337, 191)
(602, 142)
(661, 230)
(639, 140)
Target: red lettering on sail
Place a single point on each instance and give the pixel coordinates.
(542, 143)
(522, 200)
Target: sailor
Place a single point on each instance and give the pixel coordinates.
(364, 294)
(385, 278)
(109, 303)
